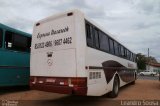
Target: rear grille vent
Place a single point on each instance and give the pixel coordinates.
(94, 75)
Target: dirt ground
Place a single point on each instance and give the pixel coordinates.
(142, 90)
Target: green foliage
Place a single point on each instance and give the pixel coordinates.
(142, 60)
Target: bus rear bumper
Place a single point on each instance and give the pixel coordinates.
(59, 89)
(51, 88)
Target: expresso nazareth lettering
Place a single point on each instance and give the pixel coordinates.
(53, 32)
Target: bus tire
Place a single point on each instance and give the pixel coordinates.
(115, 89)
(135, 77)
(133, 82)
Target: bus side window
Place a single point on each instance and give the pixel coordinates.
(20, 42)
(134, 57)
(128, 54)
(1, 37)
(16, 42)
(111, 46)
(122, 51)
(125, 53)
(8, 40)
(89, 32)
(96, 34)
(131, 57)
(116, 48)
(103, 39)
(119, 50)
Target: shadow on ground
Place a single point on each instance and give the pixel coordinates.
(74, 100)
(7, 90)
(71, 100)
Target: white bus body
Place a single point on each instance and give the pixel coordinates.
(61, 61)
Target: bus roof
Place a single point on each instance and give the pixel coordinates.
(85, 17)
(14, 30)
(57, 15)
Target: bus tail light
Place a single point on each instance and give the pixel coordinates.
(32, 80)
(65, 83)
(78, 82)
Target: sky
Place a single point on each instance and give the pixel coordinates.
(135, 23)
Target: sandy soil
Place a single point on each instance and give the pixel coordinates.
(142, 90)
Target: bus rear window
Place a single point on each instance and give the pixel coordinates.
(1, 37)
(17, 42)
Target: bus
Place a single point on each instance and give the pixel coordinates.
(70, 54)
(14, 57)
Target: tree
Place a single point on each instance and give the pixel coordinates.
(141, 61)
(151, 59)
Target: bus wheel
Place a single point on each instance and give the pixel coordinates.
(133, 82)
(115, 90)
(135, 77)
